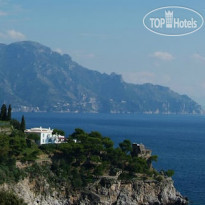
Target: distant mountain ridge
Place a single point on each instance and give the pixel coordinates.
(35, 78)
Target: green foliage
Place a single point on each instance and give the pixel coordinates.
(3, 114)
(9, 113)
(91, 156)
(37, 170)
(99, 170)
(12, 148)
(126, 176)
(9, 198)
(9, 173)
(126, 146)
(8, 170)
(108, 143)
(48, 148)
(23, 124)
(159, 178)
(169, 173)
(33, 136)
(17, 145)
(4, 147)
(137, 165)
(59, 132)
(153, 158)
(74, 164)
(15, 123)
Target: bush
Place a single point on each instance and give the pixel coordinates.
(10, 174)
(58, 132)
(33, 136)
(9, 198)
(15, 123)
(48, 148)
(159, 178)
(126, 176)
(169, 173)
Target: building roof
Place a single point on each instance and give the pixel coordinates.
(39, 130)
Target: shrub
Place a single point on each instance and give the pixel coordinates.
(15, 123)
(9, 198)
(169, 173)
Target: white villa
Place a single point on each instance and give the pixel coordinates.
(46, 136)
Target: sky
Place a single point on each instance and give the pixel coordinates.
(109, 36)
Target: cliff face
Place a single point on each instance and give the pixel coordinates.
(106, 191)
(111, 191)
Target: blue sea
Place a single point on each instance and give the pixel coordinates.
(178, 140)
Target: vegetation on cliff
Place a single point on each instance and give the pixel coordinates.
(9, 198)
(73, 165)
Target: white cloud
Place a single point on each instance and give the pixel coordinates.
(165, 56)
(16, 35)
(58, 50)
(199, 57)
(12, 35)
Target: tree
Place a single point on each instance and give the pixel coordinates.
(23, 124)
(33, 136)
(58, 132)
(169, 173)
(15, 123)
(151, 159)
(3, 115)
(126, 146)
(107, 142)
(9, 113)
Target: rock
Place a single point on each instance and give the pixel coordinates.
(107, 191)
(137, 192)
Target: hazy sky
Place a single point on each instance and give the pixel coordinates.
(109, 36)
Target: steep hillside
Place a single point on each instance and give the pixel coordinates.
(35, 78)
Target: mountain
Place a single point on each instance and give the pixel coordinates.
(35, 78)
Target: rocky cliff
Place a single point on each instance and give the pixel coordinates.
(90, 171)
(106, 191)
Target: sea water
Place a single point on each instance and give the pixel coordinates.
(178, 140)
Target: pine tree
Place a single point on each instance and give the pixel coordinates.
(9, 113)
(23, 124)
(3, 115)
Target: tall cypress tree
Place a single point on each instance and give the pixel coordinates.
(3, 115)
(9, 113)
(23, 124)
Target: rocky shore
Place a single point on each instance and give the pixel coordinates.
(106, 191)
